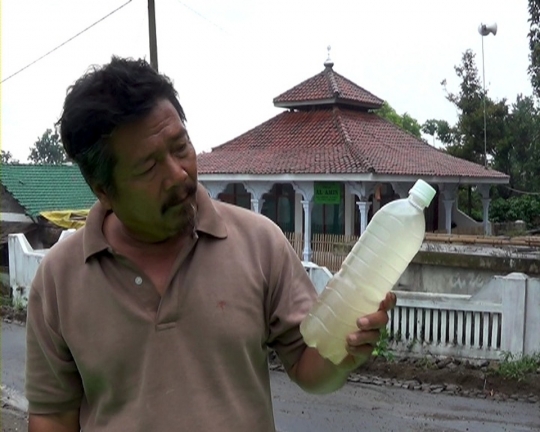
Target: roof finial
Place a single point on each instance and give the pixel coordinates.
(329, 63)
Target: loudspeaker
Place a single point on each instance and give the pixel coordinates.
(485, 29)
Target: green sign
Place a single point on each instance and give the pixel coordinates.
(327, 193)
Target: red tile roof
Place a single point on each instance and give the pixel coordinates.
(327, 87)
(334, 141)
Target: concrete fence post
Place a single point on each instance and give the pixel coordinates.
(514, 295)
(532, 318)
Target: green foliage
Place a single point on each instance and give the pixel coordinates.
(466, 139)
(512, 139)
(382, 349)
(534, 45)
(7, 158)
(476, 211)
(523, 207)
(404, 121)
(519, 154)
(17, 304)
(440, 129)
(517, 367)
(48, 150)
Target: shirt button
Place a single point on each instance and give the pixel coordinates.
(138, 280)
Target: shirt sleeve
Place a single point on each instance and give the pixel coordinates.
(53, 383)
(291, 296)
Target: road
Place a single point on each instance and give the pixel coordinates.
(356, 407)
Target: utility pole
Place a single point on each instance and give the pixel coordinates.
(152, 34)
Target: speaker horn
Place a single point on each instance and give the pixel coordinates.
(486, 29)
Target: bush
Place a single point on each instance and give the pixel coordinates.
(517, 367)
(523, 207)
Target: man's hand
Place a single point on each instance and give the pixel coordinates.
(316, 374)
(361, 343)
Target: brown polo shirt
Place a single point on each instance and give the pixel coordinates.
(100, 338)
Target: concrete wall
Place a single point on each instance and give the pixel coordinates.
(443, 280)
(464, 270)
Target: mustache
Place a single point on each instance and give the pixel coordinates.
(179, 196)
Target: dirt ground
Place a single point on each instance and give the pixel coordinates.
(12, 421)
(9, 314)
(460, 374)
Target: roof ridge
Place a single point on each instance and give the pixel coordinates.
(334, 88)
(359, 86)
(336, 112)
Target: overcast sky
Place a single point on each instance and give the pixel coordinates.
(229, 59)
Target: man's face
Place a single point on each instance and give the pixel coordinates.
(155, 176)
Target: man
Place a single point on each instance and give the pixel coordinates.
(157, 316)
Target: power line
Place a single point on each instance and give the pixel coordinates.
(202, 16)
(522, 192)
(69, 40)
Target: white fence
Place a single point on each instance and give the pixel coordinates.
(23, 263)
(503, 317)
(449, 325)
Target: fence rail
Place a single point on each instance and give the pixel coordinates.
(329, 250)
(446, 324)
(502, 317)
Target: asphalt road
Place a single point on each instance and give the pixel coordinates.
(360, 407)
(356, 407)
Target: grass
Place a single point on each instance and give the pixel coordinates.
(382, 349)
(517, 367)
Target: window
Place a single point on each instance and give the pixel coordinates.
(235, 193)
(279, 206)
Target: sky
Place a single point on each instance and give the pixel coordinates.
(229, 59)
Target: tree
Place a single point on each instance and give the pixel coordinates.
(534, 45)
(404, 121)
(7, 158)
(520, 157)
(440, 129)
(48, 150)
(466, 139)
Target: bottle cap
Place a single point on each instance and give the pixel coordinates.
(423, 192)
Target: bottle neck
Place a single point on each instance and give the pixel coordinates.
(416, 202)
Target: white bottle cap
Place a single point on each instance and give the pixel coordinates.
(423, 192)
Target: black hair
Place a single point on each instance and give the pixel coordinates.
(104, 98)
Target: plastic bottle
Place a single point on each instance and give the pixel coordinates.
(372, 268)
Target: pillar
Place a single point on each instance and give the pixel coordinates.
(362, 190)
(448, 206)
(307, 189)
(257, 190)
(485, 216)
(486, 201)
(307, 253)
(449, 194)
(363, 207)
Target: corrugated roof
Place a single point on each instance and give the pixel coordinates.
(47, 187)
